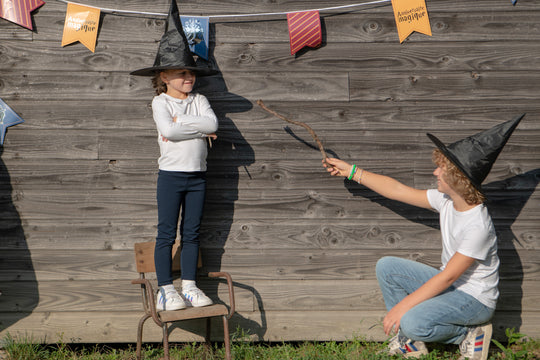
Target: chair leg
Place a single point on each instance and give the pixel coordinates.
(226, 338)
(165, 342)
(207, 342)
(208, 331)
(139, 335)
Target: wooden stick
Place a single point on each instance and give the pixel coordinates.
(304, 125)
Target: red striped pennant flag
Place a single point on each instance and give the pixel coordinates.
(18, 11)
(304, 30)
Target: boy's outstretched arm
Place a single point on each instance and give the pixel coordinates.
(381, 184)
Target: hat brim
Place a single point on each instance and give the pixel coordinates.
(454, 161)
(151, 71)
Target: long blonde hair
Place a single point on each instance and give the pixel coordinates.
(457, 180)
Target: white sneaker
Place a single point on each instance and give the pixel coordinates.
(476, 345)
(195, 297)
(401, 345)
(169, 300)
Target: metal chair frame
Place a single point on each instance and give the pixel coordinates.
(145, 264)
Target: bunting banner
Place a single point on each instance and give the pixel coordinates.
(411, 15)
(81, 25)
(196, 30)
(8, 118)
(18, 11)
(304, 29)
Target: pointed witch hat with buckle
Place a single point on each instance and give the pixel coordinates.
(475, 155)
(173, 52)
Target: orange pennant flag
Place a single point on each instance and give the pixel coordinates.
(81, 24)
(411, 15)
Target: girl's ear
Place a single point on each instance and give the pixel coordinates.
(163, 76)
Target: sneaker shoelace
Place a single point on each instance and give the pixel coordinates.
(466, 348)
(194, 292)
(172, 295)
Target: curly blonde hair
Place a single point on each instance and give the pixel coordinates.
(457, 180)
(158, 84)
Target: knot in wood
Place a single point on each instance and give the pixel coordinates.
(374, 231)
(439, 25)
(475, 75)
(245, 58)
(372, 27)
(392, 238)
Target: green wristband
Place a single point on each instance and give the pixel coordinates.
(353, 170)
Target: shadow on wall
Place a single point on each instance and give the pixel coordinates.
(18, 285)
(505, 205)
(506, 200)
(230, 154)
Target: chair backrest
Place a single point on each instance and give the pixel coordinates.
(144, 257)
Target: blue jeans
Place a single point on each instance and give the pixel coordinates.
(444, 318)
(178, 190)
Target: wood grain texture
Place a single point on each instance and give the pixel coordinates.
(78, 177)
(242, 264)
(99, 296)
(275, 56)
(275, 326)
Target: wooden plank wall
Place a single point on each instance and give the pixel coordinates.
(78, 177)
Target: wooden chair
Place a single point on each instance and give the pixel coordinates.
(144, 256)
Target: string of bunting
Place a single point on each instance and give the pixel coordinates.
(82, 21)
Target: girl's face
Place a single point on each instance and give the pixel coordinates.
(179, 82)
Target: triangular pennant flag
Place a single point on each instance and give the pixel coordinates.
(8, 118)
(196, 30)
(411, 15)
(18, 11)
(81, 24)
(304, 30)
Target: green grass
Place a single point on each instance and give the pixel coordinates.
(517, 346)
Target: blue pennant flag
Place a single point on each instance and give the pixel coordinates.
(8, 118)
(196, 30)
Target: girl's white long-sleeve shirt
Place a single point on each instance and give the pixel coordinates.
(185, 148)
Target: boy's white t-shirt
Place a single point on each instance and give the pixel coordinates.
(185, 148)
(471, 233)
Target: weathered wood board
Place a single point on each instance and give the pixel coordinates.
(78, 177)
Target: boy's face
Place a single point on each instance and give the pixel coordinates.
(442, 185)
(179, 82)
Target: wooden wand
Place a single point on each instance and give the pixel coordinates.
(304, 125)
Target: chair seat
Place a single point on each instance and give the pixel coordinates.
(193, 313)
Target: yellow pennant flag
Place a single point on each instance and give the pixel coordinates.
(81, 24)
(411, 15)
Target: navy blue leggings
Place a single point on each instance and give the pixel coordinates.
(178, 190)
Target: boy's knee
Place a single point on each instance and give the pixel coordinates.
(382, 265)
(414, 328)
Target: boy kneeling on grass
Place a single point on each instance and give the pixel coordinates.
(455, 303)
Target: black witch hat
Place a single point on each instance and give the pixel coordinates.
(173, 51)
(475, 155)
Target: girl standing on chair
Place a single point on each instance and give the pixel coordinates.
(184, 121)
